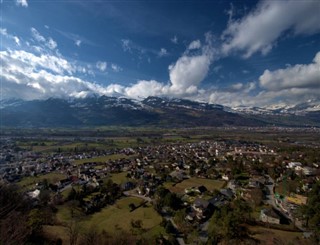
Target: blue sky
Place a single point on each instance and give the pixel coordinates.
(252, 53)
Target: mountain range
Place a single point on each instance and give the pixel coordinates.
(152, 111)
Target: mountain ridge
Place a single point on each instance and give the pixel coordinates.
(151, 111)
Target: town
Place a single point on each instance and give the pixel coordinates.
(173, 188)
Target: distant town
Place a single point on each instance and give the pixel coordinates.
(177, 187)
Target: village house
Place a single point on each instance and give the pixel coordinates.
(269, 216)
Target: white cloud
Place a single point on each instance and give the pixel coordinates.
(174, 40)
(27, 76)
(116, 68)
(194, 45)
(37, 36)
(51, 63)
(78, 42)
(185, 76)
(190, 70)
(126, 45)
(298, 76)
(143, 89)
(51, 43)
(4, 32)
(115, 89)
(237, 86)
(22, 3)
(290, 86)
(17, 40)
(261, 28)
(37, 76)
(101, 65)
(163, 52)
(42, 75)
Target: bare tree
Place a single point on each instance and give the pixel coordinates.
(73, 232)
(14, 229)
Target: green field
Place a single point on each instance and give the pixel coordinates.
(117, 215)
(31, 181)
(101, 159)
(273, 236)
(194, 182)
(120, 178)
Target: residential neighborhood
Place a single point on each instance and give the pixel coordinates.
(186, 183)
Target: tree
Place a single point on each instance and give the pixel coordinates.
(44, 196)
(14, 209)
(311, 211)
(73, 232)
(35, 220)
(132, 206)
(229, 222)
(15, 228)
(169, 227)
(91, 237)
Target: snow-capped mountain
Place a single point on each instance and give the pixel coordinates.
(97, 111)
(280, 109)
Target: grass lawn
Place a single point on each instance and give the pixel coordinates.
(117, 215)
(120, 178)
(272, 236)
(66, 192)
(53, 232)
(29, 182)
(208, 183)
(101, 159)
(154, 232)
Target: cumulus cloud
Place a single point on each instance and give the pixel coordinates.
(162, 52)
(289, 86)
(44, 74)
(185, 76)
(101, 65)
(298, 76)
(261, 28)
(22, 3)
(48, 74)
(194, 45)
(143, 89)
(27, 76)
(48, 62)
(190, 70)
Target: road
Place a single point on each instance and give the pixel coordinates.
(272, 201)
(132, 193)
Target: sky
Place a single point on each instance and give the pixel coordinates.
(234, 53)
